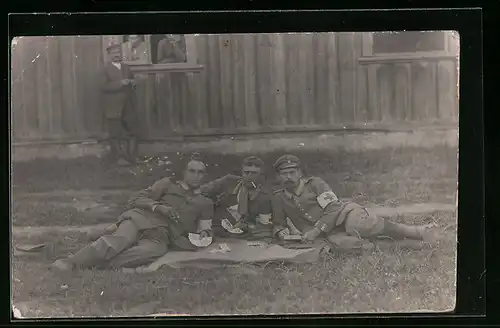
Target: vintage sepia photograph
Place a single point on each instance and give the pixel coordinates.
(171, 175)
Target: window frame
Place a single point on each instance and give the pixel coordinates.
(449, 53)
(190, 66)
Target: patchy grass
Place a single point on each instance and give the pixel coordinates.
(381, 281)
(386, 177)
(394, 280)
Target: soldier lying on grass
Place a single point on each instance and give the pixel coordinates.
(161, 218)
(242, 204)
(310, 207)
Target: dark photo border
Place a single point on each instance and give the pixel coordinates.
(471, 281)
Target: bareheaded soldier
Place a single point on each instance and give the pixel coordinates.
(243, 201)
(160, 218)
(310, 206)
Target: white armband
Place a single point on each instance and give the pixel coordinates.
(327, 198)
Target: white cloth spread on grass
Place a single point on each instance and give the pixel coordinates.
(240, 251)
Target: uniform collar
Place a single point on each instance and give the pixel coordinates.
(299, 190)
(187, 188)
(117, 64)
(240, 186)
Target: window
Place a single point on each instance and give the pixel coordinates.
(170, 48)
(408, 42)
(145, 49)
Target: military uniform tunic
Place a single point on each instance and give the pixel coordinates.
(314, 204)
(235, 202)
(142, 235)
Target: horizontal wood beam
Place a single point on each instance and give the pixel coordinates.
(186, 136)
(399, 58)
(165, 68)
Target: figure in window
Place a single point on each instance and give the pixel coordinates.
(171, 49)
(135, 49)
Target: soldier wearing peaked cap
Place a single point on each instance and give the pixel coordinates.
(243, 200)
(308, 206)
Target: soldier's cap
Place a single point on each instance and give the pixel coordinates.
(253, 161)
(196, 157)
(113, 46)
(286, 162)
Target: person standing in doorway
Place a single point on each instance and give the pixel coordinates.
(119, 106)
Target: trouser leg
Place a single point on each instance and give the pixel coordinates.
(403, 231)
(132, 148)
(106, 247)
(360, 223)
(114, 146)
(144, 253)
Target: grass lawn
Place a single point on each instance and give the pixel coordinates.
(379, 281)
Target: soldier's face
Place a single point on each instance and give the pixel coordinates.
(251, 175)
(290, 177)
(116, 55)
(194, 174)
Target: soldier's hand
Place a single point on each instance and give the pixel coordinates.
(241, 225)
(163, 210)
(283, 233)
(125, 81)
(311, 235)
(174, 215)
(205, 234)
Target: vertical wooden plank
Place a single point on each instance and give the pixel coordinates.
(67, 55)
(16, 90)
(54, 83)
(199, 83)
(361, 82)
(166, 101)
(29, 59)
(306, 80)
(226, 87)
(175, 113)
(446, 90)
(321, 76)
(424, 101)
(76, 111)
(373, 107)
(250, 80)
(238, 77)
(402, 88)
(264, 95)
(89, 59)
(454, 49)
(191, 48)
(347, 68)
(186, 105)
(18, 99)
(213, 73)
(292, 79)
(385, 82)
(277, 70)
(333, 110)
(98, 65)
(42, 90)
